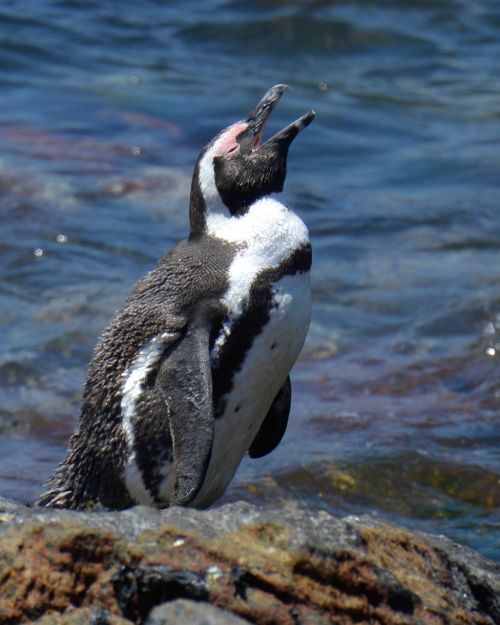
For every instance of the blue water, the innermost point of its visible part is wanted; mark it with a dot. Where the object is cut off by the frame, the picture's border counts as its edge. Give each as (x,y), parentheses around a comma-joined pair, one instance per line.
(103,109)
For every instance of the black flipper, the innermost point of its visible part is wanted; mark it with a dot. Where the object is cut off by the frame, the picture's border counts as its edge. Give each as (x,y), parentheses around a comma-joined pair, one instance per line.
(185,379)
(274,425)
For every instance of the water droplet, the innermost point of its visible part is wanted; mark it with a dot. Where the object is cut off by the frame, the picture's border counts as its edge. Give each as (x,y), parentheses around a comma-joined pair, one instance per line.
(38,252)
(117,188)
(491,351)
(323,86)
(134,80)
(61,238)
(136,150)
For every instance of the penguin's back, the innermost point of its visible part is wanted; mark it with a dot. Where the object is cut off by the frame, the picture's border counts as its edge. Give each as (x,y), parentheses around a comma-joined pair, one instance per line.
(122,450)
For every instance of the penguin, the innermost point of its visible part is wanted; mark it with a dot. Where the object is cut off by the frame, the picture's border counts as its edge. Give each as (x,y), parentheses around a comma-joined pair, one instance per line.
(193,371)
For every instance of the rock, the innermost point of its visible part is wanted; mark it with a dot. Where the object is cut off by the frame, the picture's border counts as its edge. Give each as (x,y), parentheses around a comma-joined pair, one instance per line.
(184,612)
(82,616)
(283,566)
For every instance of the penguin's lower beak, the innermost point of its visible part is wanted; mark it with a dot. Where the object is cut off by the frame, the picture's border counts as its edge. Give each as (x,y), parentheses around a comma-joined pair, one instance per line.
(258,117)
(288,134)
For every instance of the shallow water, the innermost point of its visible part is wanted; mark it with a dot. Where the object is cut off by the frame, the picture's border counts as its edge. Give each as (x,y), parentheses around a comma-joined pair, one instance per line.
(104,108)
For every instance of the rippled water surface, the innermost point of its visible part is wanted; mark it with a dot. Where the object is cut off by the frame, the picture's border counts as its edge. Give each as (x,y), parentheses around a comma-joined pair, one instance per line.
(103,109)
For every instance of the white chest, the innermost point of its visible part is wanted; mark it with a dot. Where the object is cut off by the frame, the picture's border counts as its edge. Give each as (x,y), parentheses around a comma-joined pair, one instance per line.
(267,242)
(268,234)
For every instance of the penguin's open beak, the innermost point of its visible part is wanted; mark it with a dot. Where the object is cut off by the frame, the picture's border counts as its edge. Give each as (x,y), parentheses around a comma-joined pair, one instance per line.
(258,117)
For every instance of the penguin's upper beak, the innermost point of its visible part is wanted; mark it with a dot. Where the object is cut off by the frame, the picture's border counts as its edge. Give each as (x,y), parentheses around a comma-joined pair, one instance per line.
(252,137)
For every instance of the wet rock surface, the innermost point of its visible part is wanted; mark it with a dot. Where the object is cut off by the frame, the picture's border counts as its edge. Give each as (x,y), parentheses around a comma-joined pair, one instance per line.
(267,566)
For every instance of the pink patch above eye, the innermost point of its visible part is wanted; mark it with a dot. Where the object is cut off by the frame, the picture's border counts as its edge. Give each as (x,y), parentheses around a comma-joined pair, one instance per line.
(227,144)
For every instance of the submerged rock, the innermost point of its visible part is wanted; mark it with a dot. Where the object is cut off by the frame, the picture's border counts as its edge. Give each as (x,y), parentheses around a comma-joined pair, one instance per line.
(285,566)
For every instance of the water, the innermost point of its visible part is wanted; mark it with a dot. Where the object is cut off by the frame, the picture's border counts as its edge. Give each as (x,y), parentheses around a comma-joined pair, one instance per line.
(103,109)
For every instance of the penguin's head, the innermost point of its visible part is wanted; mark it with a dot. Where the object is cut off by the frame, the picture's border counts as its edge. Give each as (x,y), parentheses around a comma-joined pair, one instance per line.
(237,168)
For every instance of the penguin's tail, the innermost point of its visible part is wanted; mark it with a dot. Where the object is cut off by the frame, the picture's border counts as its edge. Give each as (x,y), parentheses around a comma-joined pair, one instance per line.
(56,493)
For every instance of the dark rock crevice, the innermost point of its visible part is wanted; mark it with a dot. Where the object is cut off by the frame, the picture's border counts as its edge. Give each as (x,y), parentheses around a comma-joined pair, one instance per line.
(139,589)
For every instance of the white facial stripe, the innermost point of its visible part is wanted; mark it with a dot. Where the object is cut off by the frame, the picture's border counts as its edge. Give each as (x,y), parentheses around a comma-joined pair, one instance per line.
(224,143)
(213,201)
(132,388)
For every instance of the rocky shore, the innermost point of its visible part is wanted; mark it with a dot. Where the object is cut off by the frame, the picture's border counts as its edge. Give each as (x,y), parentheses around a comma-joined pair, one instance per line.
(234,564)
